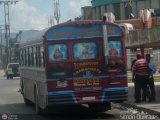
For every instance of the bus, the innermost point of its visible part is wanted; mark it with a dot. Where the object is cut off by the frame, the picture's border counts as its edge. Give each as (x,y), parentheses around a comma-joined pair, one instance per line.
(71,64)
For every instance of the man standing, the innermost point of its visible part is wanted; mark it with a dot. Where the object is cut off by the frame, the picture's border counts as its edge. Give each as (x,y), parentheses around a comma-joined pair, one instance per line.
(141,73)
(152,70)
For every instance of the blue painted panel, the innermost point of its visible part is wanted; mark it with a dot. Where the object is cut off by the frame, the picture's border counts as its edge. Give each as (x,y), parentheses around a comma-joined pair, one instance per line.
(96,3)
(69,32)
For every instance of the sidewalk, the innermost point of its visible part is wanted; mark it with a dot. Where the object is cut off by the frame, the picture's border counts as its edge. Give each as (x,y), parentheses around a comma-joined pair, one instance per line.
(2,73)
(150,106)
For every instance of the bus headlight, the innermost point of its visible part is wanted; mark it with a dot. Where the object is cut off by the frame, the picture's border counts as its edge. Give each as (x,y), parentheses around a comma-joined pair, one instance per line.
(61,84)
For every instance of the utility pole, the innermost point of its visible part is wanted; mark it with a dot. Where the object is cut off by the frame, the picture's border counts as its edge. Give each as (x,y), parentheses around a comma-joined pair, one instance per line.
(56,10)
(1,41)
(50,20)
(7,27)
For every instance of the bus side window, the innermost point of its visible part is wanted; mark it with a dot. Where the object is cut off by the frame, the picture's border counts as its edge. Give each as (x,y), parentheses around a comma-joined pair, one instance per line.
(41,53)
(28,56)
(20,57)
(43,59)
(31,56)
(34,55)
(22,60)
(25,56)
(30,53)
(39,57)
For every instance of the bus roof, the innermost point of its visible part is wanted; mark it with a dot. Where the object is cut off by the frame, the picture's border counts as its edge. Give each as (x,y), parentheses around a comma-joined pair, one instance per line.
(41,35)
(33,38)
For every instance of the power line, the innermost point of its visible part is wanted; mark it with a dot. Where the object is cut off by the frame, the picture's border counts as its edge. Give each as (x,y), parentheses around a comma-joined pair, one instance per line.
(50,20)
(56,10)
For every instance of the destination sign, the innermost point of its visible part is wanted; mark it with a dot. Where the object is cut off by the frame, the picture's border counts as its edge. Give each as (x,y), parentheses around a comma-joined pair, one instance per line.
(70,32)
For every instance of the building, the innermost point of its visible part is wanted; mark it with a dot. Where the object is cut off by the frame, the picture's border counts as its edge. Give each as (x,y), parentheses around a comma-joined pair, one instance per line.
(86,13)
(124,9)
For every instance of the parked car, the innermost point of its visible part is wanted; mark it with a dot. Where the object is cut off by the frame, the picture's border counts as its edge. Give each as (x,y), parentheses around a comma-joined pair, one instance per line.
(12,70)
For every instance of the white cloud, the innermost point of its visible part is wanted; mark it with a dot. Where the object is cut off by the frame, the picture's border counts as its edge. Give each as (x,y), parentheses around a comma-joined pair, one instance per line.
(76,6)
(74,9)
(25,16)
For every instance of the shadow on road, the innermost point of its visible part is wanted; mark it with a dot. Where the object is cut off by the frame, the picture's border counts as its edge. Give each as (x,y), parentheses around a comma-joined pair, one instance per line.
(23,112)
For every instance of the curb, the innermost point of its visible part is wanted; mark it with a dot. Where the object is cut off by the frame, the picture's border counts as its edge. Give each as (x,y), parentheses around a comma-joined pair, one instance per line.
(151,112)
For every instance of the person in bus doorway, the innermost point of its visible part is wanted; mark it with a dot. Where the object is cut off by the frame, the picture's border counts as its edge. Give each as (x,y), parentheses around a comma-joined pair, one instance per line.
(113,51)
(141,78)
(152,70)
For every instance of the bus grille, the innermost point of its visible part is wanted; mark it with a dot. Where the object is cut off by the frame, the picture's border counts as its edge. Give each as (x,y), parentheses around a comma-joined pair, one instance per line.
(60,99)
(116,96)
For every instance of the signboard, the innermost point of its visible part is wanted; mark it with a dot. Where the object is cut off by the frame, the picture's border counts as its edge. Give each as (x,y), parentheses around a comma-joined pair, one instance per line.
(71,32)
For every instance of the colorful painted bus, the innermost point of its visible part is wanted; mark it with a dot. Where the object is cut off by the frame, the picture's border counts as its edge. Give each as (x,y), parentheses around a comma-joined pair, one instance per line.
(67,64)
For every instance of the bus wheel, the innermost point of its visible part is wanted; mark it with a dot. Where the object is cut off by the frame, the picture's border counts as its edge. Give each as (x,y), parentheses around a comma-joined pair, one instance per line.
(26,101)
(99,107)
(36,98)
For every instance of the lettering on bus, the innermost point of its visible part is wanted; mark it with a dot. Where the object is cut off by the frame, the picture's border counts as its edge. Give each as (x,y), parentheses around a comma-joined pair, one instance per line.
(86,64)
(88,88)
(88,32)
(86,69)
(69,32)
(58,34)
(87,82)
(111,30)
(80,32)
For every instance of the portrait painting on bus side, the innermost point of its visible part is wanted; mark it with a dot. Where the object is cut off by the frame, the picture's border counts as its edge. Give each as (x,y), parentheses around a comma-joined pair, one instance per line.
(85,50)
(57,52)
(114,48)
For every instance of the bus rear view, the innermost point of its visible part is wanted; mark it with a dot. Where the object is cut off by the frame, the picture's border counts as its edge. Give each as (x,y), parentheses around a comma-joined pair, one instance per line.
(72,63)
(77,72)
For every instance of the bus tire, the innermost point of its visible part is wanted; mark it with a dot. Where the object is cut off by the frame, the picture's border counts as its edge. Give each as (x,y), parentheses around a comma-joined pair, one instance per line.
(26,101)
(36,99)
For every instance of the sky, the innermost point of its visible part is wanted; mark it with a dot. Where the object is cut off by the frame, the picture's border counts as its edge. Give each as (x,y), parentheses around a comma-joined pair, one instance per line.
(33,14)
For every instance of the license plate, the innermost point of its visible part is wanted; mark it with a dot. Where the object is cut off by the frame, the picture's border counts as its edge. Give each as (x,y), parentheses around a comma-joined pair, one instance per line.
(89,98)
